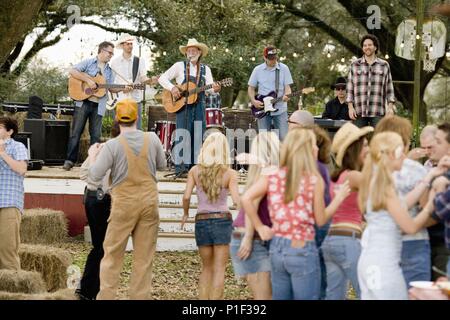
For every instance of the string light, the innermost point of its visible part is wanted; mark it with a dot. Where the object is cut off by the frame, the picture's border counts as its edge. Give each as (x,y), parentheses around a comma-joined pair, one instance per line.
(226,50)
(164,53)
(295,55)
(240,59)
(214,48)
(430,49)
(343,60)
(253,59)
(386,56)
(309,45)
(402,44)
(418,37)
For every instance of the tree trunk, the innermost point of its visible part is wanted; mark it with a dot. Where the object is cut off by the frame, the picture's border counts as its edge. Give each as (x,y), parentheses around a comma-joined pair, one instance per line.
(16,20)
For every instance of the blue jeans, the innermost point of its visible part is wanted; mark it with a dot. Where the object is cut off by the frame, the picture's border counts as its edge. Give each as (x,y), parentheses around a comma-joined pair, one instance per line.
(189,140)
(366,121)
(295,271)
(88,110)
(416,261)
(341,255)
(279,123)
(321,233)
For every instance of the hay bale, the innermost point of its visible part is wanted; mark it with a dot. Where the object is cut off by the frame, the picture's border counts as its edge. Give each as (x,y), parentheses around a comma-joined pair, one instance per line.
(21,281)
(51,262)
(63,294)
(43,226)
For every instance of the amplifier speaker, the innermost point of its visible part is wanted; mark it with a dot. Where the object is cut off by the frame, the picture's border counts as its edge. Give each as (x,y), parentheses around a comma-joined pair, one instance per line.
(49,139)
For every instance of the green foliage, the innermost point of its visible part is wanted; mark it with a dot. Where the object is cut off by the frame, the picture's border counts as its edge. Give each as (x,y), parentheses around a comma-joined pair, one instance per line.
(49,83)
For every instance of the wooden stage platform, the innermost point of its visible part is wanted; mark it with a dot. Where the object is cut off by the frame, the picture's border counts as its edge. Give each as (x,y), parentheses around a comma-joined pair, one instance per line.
(55,188)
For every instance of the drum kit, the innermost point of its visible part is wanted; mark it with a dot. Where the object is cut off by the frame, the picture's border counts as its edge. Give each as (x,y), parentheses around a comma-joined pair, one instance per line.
(165,130)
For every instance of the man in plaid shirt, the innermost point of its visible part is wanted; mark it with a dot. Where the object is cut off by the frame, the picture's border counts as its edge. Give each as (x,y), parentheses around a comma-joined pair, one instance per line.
(369,86)
(13,165)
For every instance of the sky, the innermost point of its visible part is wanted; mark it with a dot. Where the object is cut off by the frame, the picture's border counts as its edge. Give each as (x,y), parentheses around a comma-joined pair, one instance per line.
(79,43)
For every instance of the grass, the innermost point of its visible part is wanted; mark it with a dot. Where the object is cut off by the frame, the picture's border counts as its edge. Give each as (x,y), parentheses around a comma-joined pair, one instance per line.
(175,273)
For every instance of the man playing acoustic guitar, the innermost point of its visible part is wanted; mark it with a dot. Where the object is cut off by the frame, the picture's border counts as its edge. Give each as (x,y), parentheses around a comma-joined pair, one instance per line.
(265,76)
(93,107)
(192,115)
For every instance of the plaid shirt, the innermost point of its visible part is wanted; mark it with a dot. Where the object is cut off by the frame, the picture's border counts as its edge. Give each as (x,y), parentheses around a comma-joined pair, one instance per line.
(442,212)
(11,183)
(212,100)
(369,87)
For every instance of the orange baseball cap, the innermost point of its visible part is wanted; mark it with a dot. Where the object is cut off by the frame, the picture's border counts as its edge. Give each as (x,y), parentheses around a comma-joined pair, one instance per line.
(126,110)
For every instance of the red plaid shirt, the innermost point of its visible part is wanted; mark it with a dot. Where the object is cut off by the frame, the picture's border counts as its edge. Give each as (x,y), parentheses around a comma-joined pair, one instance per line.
(369,87)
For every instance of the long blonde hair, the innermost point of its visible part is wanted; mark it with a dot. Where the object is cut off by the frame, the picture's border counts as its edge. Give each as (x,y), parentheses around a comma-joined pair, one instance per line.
(297,156)
(213,161)
(266,148)
(377,178)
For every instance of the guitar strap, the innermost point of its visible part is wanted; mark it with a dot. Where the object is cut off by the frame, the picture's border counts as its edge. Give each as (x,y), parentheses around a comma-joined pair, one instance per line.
(135,67)
(277,81)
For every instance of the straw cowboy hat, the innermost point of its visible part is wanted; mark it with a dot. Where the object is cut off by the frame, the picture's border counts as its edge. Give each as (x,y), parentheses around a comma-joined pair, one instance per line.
(344,137)
(125,37)
(194,43)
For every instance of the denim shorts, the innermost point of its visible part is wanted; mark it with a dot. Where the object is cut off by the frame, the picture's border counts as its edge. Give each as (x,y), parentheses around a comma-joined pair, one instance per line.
(258,261)
(215,231)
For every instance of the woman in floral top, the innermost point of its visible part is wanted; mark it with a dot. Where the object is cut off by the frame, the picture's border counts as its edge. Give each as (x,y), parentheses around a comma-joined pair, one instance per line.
(296,204)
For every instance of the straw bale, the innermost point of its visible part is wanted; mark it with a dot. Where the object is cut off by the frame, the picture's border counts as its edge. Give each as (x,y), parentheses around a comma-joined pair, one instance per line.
(43,226)
(51,262)
(63,294)
(21,281)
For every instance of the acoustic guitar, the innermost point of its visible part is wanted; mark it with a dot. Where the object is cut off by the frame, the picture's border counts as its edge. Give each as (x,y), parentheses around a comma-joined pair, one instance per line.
(190,91)
(270,100)
(79,89)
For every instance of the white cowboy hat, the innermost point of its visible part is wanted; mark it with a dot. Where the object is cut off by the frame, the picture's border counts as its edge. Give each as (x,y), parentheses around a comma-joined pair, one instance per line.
(125,37)
(194,43)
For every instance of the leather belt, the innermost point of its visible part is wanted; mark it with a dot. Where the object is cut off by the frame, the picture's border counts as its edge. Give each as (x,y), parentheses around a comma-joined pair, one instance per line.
(345,233)
(213,215)
(239,235)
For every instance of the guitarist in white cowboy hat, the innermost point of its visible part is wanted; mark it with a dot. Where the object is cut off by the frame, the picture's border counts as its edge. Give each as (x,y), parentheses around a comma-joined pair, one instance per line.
(193,114)
(130,69)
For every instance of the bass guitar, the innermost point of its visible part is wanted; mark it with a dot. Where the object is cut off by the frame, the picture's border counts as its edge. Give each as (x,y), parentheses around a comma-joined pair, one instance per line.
(270,100)
(190,91)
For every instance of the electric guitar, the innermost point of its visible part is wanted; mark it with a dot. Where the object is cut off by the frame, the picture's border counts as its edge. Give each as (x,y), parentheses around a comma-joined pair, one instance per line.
(79,89)
(173,105)
(270,100)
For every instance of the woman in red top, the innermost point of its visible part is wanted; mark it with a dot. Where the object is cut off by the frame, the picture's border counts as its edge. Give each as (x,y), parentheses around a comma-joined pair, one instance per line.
(296,204)
(342,247)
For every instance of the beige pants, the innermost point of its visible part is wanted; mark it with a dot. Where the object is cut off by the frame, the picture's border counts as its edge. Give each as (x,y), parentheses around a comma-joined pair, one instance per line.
(134,211)
(9,238)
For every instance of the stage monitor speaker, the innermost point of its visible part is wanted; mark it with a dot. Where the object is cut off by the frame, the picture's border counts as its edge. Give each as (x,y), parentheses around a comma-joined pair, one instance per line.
(25,138)
(49,139)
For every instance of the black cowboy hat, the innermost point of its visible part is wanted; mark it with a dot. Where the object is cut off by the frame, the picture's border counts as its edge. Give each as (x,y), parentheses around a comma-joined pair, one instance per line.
(340,82)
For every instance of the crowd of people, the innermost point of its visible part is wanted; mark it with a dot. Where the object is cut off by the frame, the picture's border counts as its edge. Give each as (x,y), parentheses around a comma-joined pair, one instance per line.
(316,215)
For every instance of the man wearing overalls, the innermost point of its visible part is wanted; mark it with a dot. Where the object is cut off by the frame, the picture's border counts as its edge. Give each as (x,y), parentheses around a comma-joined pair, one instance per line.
(190,120)
(133,158)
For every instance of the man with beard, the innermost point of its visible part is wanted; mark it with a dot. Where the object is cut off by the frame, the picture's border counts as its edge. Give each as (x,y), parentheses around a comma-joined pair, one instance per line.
(192,114)
(369,86)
